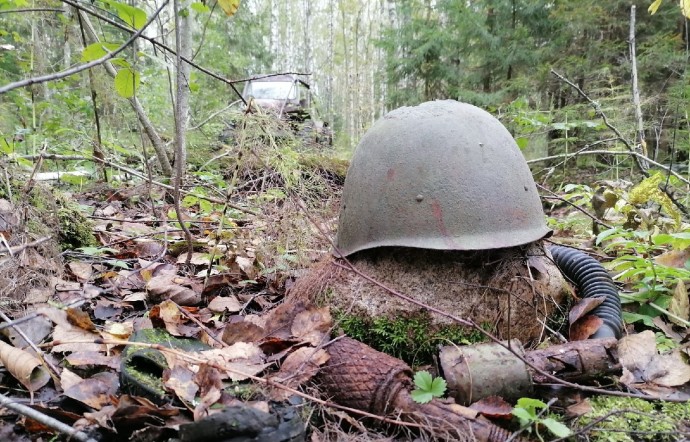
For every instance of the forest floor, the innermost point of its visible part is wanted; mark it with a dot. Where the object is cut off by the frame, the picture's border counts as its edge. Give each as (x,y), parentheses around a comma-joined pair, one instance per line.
(113,332)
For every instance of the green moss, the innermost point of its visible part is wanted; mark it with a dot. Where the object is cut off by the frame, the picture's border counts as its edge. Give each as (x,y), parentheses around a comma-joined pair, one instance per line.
(631,419)
(411,338)
(75,230)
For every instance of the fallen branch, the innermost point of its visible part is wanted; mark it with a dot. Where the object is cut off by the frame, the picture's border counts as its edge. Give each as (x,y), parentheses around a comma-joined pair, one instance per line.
(44,419)
(16,249)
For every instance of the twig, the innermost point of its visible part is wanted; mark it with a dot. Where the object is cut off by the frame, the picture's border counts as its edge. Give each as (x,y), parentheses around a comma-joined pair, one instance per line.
(136,174)
(159,44)
(16,249)
(554,195)
(44,419)
(640,160)
(635,88)
(200,324)
(83,67)
(9,11)
(612,152)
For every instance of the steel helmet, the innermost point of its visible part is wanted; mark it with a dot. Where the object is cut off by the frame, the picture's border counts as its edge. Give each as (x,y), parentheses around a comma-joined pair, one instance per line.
(443,175)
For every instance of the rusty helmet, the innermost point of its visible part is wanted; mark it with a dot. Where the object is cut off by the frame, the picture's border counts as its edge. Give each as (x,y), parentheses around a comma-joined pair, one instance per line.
(443,175)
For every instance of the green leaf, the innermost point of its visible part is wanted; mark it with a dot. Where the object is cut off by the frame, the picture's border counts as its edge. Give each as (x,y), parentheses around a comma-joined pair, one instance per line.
(421,397)
(556,428)
(120,62)
(133,16)
(524,416)
(438,387)
(522,142)
(126,82)
(423,380)
(530,404)
(95,51)
(200,7)
(654,6)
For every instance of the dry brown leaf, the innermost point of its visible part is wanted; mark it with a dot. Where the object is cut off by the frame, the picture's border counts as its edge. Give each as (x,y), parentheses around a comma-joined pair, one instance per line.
(169,313)
(80,318)
(198,259)
(82,271)
(674,258)
(68,379)
(582,307)
(95,391)
(117,330)
(312,325)
(679,306)
(585,327)
(180,380)
(171,287)
(72,339)
(93,358)
(220,304)
(242,331)
(298,368)
(247,266)
(24,366)
(239,360)
(493,407)
(644,369)
(579,409)
(36,329)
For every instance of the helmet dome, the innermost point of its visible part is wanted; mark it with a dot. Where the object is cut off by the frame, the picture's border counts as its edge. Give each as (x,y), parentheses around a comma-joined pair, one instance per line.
(443,175)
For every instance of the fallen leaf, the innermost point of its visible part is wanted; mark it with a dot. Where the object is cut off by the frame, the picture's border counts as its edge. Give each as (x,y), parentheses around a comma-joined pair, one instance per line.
(36,329)
(582,307)
(247,266)
(180,380)
(82,271)
(298,368)
(80,318)
(674,258)
(171,287)
(220,304)
(679,306)
(24,366)
(669,370)
(578,409)
(92,358)
(242,331)
(95,391)
(585,327)
(493,407)
(70,339)
(239,360)
(635,352)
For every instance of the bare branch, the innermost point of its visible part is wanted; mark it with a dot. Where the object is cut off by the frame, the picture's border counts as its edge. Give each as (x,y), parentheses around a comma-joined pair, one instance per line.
(9,11)
(89,65)
(45,420)
(159,44)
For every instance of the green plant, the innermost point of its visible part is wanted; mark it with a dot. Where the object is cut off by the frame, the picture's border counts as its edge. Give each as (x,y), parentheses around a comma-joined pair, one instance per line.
(428,387)
(530,411)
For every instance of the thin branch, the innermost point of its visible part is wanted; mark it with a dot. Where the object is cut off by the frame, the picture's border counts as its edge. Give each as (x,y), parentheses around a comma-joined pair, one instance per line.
(48,421)
(9,11)
(16,249)
(89,65)
(600,113)
(136,174)
(613,152)
(594,218)
(160,45)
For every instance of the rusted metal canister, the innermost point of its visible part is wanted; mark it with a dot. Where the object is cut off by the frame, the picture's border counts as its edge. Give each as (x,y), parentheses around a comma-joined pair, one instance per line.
(475,372)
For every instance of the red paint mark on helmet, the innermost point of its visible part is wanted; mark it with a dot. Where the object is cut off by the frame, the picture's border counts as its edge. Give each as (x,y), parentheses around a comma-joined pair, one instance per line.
(390,176)
(437,211)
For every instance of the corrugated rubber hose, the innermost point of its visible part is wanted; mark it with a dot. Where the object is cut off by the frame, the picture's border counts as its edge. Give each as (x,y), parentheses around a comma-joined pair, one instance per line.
(592,281)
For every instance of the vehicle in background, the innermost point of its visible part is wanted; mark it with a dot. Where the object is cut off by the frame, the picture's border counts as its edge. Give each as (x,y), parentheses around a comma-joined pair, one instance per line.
(288,97)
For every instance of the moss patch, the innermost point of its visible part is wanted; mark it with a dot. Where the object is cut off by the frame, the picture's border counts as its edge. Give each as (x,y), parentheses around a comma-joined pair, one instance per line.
(631,419)
(413,338)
